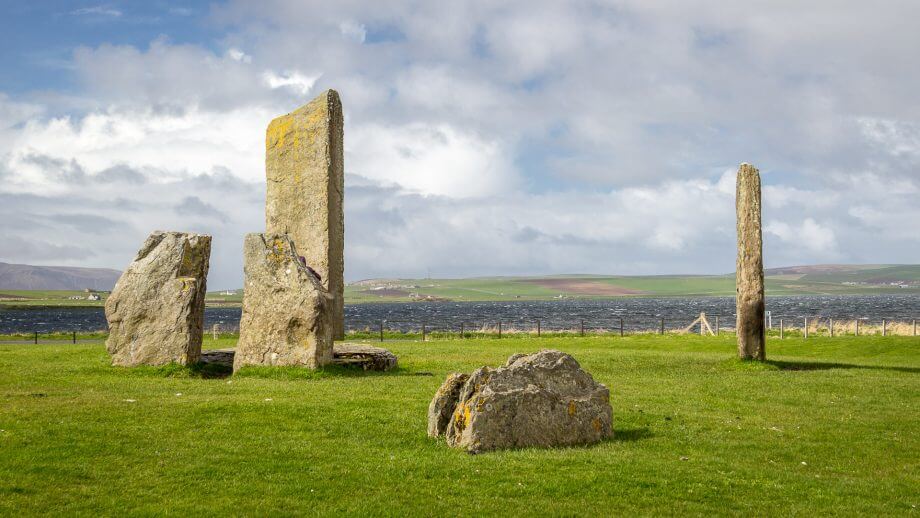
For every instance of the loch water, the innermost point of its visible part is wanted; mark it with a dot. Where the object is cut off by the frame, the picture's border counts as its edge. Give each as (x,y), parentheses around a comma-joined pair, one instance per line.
(637,313)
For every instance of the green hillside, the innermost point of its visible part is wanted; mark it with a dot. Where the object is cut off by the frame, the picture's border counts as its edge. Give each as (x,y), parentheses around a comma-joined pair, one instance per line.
(798,280)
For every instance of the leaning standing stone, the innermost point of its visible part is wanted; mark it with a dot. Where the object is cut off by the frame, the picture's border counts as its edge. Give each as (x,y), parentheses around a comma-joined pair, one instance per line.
(156,311)
(543,399)
(287,314)
(749,292)
(304,166)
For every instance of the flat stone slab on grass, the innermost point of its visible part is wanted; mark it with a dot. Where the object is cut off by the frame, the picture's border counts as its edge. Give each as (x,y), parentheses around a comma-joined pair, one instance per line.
(367,357)
(544,399)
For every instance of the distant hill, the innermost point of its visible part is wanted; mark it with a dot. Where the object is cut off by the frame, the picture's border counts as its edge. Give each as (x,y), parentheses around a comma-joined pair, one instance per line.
(826,279)
(28,277)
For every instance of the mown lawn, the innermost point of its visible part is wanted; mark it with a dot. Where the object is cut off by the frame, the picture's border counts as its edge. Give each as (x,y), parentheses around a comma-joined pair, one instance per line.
(830,427)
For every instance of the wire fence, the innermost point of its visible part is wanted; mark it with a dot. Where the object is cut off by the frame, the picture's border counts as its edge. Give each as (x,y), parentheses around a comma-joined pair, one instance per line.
(779,326)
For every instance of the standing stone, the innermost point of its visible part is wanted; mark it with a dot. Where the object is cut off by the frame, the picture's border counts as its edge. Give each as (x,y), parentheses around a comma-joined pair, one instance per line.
(156,311)
(306,183)
(749,297)
(287,314)
(544,399)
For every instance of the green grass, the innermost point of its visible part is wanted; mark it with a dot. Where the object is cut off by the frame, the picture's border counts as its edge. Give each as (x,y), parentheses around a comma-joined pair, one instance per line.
(828,426)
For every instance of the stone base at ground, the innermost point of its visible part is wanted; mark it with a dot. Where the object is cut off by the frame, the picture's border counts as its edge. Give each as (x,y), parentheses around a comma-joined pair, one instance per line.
(156,311)
(287,314)
(365,356)
(354,355)
(544,399)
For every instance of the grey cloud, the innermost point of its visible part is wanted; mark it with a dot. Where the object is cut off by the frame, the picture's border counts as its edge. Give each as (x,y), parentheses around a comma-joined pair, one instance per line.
(193,206)
(89,223)
(121,173)
(14,248)
(56,169)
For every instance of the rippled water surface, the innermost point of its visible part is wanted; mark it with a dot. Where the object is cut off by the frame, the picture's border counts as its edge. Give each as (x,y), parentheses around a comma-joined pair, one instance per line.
(637,313)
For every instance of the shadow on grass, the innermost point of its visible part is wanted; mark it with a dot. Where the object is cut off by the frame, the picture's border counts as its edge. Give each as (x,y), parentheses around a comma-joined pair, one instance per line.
(786,365)
(302,373)
(630,434)
(797,365)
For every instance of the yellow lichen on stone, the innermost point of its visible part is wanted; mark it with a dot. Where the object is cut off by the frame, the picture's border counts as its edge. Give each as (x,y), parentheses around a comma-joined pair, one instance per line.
(278,130)
(572,408)
(596,423)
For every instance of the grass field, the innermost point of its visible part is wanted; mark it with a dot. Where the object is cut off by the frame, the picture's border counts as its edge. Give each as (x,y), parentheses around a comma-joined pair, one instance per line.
(827,426)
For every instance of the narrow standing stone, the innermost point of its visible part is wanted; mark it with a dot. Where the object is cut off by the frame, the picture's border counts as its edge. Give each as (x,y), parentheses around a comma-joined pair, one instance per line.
(304,166)
(286,311)
(749,291)
(156,311)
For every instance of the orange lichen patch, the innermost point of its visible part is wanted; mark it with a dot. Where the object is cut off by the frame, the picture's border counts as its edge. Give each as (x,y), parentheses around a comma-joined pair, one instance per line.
(480,403)
(572,408)
(596,423)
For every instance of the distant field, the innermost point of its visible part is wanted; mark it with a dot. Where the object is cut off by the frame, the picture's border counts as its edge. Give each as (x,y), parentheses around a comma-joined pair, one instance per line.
(804,280)
(848,281)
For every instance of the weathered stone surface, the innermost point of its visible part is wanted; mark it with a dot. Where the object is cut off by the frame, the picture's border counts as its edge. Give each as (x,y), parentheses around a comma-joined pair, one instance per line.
(304,165)
(367,357)
(286,311)
(156,311)
(444,402)
(543,399)
(749,289)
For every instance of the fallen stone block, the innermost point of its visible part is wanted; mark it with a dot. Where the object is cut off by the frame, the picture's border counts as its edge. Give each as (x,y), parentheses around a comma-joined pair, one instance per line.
(367,357)
(544,399)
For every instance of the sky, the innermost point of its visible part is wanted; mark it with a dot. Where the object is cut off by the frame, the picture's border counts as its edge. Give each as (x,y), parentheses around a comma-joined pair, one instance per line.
(481,138)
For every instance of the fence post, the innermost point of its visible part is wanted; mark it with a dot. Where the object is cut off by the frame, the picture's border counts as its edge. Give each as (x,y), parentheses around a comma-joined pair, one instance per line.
(661,328)
(423,331)
(806,327)
(915,327)
(74,337)
(36,337)
(621,326)
(381,330)
(717,325)
(582,328)
(781,329)
(857,326)
(884,327)
(830,326)
(499,328)
(538,328)
(461,330)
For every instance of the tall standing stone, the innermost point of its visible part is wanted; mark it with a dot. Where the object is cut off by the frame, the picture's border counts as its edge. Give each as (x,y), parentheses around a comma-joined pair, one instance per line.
(156,311)
(286,311)
(749,290)
(304,165)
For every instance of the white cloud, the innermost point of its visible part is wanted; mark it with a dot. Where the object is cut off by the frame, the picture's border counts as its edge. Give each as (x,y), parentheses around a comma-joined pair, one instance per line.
(431,160)
(175,144)
(239,55)
(809,234)
(97,10)
(353,30)
(297,81)
(484,138)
